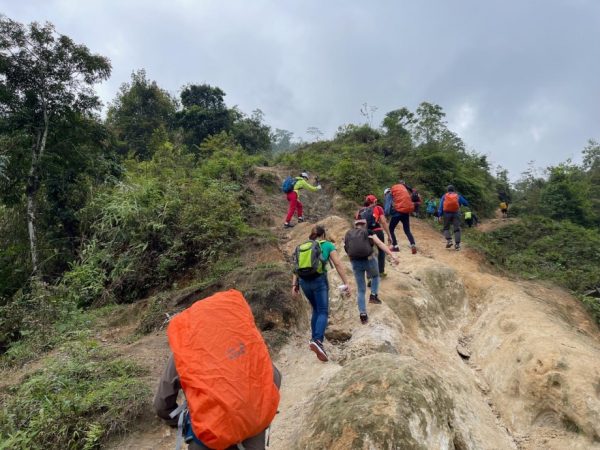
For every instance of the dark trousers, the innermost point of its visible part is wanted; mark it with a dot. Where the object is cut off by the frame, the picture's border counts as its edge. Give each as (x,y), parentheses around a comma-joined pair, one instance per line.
(381,253)
(451,218)
(405,219)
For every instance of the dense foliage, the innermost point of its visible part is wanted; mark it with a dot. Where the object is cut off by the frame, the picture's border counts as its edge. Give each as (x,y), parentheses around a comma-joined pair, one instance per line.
(81,396)
(558,236)
(165,216)
(415,147)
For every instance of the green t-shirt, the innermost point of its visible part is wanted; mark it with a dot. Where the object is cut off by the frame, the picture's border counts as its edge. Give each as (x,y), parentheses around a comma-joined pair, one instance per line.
(326,249)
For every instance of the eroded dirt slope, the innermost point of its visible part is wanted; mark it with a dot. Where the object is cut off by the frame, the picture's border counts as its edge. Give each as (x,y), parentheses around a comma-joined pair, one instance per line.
(529,377)
(531,382)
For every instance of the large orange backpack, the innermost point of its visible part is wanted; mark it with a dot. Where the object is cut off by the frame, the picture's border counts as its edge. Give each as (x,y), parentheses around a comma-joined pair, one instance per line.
(224,368)
(402,200)
(451,203)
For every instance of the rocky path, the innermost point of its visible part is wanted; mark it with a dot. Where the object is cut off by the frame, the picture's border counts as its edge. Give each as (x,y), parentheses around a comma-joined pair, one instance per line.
(531,380)
(528,377)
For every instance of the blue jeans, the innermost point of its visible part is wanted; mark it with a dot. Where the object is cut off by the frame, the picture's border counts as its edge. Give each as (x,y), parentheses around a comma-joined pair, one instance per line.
(362,267)
(317,293)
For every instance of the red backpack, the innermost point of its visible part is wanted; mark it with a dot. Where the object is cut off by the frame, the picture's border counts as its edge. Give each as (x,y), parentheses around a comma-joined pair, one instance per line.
(224,368)
(451,203)
(402,200)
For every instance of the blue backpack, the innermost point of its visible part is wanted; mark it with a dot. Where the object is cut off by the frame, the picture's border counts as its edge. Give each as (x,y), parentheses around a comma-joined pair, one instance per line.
(388,204)
(288,184)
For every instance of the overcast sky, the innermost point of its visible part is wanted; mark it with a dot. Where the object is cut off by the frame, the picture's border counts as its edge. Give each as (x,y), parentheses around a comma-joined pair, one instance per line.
(519,79)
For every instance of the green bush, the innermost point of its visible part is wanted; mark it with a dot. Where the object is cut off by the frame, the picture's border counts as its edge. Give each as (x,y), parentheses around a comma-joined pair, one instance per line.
(38,320)
(361,160)
(165,217)
(538,247)
(82,396)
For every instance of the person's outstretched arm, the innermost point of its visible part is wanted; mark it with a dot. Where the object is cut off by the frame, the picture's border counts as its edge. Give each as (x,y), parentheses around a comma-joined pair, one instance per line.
(383,247)
(339,267)
(295,285)
(386,227)
(303,184)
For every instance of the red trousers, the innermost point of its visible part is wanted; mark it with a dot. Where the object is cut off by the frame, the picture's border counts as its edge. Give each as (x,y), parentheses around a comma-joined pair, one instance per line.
(295,205)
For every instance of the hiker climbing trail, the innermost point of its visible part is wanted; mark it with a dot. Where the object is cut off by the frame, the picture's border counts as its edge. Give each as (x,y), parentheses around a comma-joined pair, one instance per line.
(430,302)
(456,356)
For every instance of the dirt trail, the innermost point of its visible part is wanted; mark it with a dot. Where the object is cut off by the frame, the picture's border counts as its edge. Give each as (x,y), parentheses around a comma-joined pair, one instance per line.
(532,379)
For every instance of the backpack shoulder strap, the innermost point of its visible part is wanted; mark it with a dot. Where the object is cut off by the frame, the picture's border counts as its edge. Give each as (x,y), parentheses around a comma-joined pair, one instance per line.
(181,410)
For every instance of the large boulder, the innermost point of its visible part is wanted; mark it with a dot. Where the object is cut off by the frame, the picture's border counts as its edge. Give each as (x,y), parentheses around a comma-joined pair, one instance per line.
(382,401)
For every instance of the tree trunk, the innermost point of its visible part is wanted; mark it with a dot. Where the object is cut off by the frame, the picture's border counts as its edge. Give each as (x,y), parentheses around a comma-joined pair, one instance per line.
(33,186)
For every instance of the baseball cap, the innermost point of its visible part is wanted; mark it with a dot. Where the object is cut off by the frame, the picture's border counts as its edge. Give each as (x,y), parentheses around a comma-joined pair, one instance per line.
(304,175)
(371,198)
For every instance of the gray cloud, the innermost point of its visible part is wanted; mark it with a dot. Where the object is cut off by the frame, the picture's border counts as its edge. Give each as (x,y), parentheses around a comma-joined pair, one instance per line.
(518,80)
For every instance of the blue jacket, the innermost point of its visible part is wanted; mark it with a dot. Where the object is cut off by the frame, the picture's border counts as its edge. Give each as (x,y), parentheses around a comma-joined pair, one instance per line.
(461,202)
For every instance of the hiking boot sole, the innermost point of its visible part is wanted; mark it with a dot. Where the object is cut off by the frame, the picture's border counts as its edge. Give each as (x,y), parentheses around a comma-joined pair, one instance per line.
(319,352)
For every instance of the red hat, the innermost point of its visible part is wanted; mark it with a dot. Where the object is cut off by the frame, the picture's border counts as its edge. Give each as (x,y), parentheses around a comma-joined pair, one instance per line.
(371,198)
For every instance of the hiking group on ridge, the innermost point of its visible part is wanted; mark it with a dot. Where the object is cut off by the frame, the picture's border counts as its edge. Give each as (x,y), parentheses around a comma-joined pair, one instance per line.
(218,356)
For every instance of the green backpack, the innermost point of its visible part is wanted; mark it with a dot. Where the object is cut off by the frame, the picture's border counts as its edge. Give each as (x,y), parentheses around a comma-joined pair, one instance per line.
(307,260)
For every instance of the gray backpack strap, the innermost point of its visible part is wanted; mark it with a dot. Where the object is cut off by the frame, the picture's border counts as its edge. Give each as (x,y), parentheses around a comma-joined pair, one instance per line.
(240,446)
(180,410)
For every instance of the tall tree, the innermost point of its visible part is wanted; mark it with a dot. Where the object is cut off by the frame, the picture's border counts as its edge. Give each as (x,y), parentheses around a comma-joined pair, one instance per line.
(44,77)
(430,125)
(140,108)
(252,133)
(204,113)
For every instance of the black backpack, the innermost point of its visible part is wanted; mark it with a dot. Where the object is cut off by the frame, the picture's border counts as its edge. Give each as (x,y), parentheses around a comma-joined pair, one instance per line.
(357,243)
(415,197)
(367,214)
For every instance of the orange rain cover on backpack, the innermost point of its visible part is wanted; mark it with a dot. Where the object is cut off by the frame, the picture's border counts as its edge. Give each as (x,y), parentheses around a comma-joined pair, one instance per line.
(402,200)
(224,368)
(451,202)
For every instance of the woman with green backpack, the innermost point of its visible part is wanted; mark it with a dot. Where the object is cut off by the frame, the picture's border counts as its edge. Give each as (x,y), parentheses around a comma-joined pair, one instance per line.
(310,273)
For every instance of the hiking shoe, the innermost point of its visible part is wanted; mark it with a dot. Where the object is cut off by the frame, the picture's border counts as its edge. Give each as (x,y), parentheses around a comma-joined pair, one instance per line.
(448,244)
(457,247)
(301,219)
(288,225)
(413,249)
(364,318)
(317,347)
(395,248)
(373,298)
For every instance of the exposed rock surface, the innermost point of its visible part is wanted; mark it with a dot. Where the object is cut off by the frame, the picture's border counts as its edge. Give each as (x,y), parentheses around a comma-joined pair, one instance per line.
(528,377)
